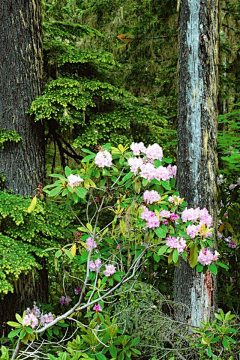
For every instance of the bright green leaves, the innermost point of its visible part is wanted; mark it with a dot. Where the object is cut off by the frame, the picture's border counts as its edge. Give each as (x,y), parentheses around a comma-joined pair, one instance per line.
(193,255)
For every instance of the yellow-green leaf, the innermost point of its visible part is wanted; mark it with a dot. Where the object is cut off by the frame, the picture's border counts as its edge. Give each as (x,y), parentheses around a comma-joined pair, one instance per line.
(33,204)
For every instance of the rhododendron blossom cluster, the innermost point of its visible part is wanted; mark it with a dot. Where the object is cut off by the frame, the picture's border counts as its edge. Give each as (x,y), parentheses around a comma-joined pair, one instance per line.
(176,243)
(90,244)
(152,220)
(34,317)
(146,165)
(95,265)
(103,159)
(206,257)
(110,270)
(151,196)
(74,180)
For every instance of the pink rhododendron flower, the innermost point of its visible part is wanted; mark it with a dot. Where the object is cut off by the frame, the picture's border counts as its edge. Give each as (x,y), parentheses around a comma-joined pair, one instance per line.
(154,152)
(137,148)
(74,180)
(30,320)
(190,215)
(172,171)
(152,220)
(165,214)
(97,307)
(151,196)
(95,266)
(148,171)
(176,243)
(206,257)
(232,244)
(118,246)
(35,310)
(91,244)
(46,319)
(193,230)
(176,200)
(205,217)
(65,300)
(174,216)
(103,159)
(165,222)
(161,173)
(135,164)
(110,270)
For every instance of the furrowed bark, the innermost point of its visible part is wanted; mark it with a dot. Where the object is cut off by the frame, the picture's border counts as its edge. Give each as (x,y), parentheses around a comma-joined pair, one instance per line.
(21,163)
(197,141)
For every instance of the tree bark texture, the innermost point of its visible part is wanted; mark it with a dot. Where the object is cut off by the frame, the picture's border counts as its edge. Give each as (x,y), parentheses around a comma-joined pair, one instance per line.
(197,141)
(20,83)
(21,163)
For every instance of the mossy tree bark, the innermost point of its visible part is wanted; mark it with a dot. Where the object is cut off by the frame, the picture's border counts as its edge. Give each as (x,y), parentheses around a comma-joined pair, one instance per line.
(20,83)
(197,141)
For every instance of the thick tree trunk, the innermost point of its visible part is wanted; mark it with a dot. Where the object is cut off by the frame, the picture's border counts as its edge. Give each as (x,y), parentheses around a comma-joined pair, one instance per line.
(20,83)
(197,140)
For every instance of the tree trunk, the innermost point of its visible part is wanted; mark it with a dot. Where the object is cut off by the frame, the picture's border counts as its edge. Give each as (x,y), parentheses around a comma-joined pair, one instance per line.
(197,141)
(20,83)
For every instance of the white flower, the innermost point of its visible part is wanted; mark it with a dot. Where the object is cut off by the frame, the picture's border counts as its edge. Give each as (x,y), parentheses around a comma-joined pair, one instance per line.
(74,180)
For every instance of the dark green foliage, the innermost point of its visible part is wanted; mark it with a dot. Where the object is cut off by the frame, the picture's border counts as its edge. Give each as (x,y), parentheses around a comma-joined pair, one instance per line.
(24,236)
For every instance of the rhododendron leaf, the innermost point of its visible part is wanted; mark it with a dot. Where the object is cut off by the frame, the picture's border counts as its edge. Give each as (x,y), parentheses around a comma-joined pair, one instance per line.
(229,226)
(65,192)
(29,330)
(193,255)
(137,186)
(57,176)
(33,204)
(22,334)
(88,157)
(81,192)
(19,319)
(162,250)
(225,343)
(166,160)
(213,269)
(51,357)
(117,277)
(222,265)
(13,324)
(89,226)
(185,255)
(58,254)
(136,351)
(157,163)
(166,185)
(56,191)
(87,151)
(175,255)
(156,257)
(68,171)
(160,232)
(199,268)
(126,177)
(68,253)
(73,250)
(13,333)
(144,182)
(113,351)
(101,357)
(170,257)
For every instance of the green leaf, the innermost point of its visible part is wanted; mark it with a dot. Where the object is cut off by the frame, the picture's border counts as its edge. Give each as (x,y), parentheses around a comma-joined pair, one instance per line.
(135,341)
(175,256)
(101,357)
(213,269)
(117,277)
(225,343)
(81,192)
(55,191)
(88,157)
(13,333)
(162,249)
(68,253)
(199,267)
(51,357)
(166,185)
(87,151)
(58,254)
(19,319)
(29,330)
(193,255)
(113,351)
(160,232)
(222,265)
(68,171)
(13,324)
(126,177)
(22,334)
